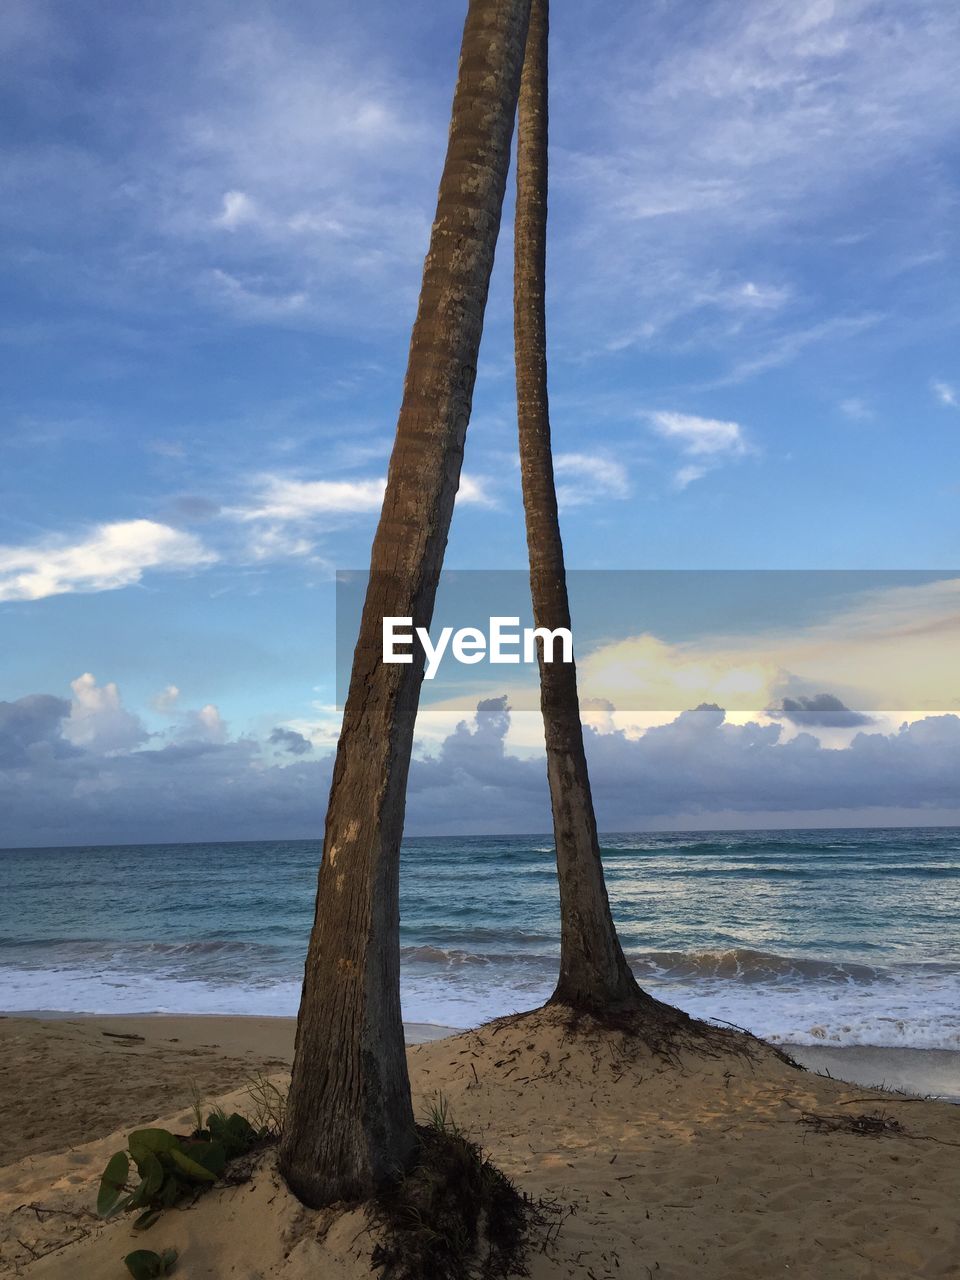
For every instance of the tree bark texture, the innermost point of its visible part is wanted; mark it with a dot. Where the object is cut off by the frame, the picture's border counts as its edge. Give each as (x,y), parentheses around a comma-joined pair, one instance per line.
(594,975)
(349,1125)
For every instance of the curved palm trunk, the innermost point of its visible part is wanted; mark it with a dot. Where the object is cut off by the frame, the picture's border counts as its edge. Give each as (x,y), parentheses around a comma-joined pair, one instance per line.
(349,1124)
(594,976)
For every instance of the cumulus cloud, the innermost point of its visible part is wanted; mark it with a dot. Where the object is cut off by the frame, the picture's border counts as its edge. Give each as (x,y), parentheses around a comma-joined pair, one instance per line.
(698,768)
(205,725)
(166,700)
(475,491)
(110,556)
(822,710)
(290,740)
(99,720)
(30,729)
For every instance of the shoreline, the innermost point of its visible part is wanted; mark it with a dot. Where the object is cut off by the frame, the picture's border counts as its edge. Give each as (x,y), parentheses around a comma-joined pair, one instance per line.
(251,1033)
(925,1073)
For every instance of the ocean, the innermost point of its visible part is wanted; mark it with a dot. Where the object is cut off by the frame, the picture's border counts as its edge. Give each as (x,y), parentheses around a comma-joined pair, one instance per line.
(840,937)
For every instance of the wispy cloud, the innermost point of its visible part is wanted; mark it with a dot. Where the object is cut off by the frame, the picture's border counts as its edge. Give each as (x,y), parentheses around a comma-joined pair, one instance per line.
(685,476)
(698,436)
(856,408)
(722,186)
(251,298)
(286,499)
(772,353)
(587,478)
(709,441)
(945,394)
(110,556)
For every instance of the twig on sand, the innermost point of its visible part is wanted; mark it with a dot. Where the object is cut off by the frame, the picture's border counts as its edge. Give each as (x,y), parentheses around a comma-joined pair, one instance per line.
(38,1209)
(877,1124)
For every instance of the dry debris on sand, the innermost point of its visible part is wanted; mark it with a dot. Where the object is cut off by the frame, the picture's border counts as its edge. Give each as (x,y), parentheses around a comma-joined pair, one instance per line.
(669,1167)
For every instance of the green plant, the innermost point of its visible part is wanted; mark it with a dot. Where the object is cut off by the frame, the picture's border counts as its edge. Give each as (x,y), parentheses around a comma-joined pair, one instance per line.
(439,1118)
(269,1104)
(144,1264)
(171,1167)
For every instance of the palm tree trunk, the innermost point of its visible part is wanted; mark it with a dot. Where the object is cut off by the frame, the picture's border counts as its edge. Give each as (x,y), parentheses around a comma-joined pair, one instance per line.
(594,975)
(349,1124)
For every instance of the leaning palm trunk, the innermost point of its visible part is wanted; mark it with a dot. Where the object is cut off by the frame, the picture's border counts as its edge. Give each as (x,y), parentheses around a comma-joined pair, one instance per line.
(594,976)
(349,1125)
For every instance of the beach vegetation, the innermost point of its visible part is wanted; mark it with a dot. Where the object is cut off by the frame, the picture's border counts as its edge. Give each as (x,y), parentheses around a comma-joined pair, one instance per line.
(269,1105)
(171,1167)
(144,1264)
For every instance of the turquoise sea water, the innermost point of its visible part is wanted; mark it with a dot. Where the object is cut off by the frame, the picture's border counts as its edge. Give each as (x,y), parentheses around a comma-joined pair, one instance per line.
(848,936)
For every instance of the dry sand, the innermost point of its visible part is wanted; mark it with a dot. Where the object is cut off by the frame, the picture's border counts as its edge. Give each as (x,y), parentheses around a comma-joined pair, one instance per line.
(694,1169)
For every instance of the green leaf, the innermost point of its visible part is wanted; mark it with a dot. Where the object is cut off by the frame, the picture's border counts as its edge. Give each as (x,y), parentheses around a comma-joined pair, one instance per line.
(192,1168)
(147,1219)
(171,1191)
(235,1133)
(139,1197)
(210,1154)
(142,1141)
(113,1183)
(144,1264)
(151,1171)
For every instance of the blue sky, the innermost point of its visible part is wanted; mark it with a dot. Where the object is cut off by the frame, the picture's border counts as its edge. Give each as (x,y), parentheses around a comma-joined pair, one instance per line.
(213,233)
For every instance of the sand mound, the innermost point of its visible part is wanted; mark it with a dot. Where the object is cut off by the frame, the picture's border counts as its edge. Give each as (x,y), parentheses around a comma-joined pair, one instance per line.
(671,1169)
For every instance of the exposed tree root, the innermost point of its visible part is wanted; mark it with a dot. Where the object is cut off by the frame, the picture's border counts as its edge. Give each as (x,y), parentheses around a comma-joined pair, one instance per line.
(454,1215)
(653,1027)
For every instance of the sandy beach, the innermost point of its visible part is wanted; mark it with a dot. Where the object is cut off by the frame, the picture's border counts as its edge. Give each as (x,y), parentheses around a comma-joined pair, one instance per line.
(702,1167)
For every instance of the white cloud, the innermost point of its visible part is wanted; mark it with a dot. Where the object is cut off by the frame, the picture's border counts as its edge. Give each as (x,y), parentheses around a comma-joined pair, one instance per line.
(166,700)
(687,475)
(282,498)
(945,394)
(584,478)
(237,209)
(857,409)
(98,719)
(206,786)
(285,499)
(700,436)
(768,134)
(252,299)
(475,491)
(111,556)
(205,725)
(765,297)
(786,346)
(275,542)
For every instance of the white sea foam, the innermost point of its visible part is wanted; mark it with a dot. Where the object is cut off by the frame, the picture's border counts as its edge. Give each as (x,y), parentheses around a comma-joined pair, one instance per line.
(920,1014)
